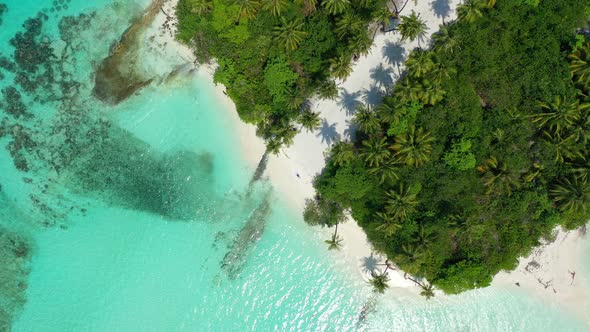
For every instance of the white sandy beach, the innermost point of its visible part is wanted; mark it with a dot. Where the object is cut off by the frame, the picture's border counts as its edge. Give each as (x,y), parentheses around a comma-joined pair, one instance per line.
(372,76)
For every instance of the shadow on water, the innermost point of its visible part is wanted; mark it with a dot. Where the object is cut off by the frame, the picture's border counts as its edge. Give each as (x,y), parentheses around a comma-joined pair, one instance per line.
(127,172)
(236,257)
(260,168)
(117,77)
(368,308)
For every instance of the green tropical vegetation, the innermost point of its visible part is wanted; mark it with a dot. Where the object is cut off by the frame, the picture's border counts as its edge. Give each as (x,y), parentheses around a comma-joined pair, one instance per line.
(480,150)
(272,55)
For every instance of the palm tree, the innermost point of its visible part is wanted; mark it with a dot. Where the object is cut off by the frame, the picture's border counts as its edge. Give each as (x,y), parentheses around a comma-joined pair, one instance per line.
(340,66)
(409,90)
(328,89)
(375,151)
(580,64)
(309,6)
(572,194)
(582,169)
(427,291)
(363,3)
(366,120)
(410,257)
(497,177)
(335,243)
(414,146)
(295,98)
(431,94)
(388,171)
(309,120)
(420,63)
(360,44)
(389,225)
(379,282)
(564,148)
(425,237)
(342,153)
(559,115)
(445,40)
(490,3)
(534,173)
(400,203)
(200,7)
(248,9)
(348,24)
(441,73)
(470,11)
(274,6)
(289,34)
(381,16)
(336,7)
(387,113)
(412,27)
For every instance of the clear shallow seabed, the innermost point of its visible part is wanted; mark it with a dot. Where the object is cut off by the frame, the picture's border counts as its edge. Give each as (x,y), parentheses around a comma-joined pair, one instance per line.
(142,217)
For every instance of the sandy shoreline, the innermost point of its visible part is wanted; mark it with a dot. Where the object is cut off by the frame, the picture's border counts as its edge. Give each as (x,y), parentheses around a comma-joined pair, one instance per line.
(372,76)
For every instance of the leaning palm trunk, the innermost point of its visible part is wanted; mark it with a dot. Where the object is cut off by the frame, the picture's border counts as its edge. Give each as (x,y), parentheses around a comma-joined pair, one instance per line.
(402,9)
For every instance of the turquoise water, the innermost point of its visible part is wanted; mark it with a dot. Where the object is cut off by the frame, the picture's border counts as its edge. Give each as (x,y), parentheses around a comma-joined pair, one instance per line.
(142,217)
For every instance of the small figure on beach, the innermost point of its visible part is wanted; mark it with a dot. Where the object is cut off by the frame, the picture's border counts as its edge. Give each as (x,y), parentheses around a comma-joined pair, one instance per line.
(297,175)
(573,276)
(517,284)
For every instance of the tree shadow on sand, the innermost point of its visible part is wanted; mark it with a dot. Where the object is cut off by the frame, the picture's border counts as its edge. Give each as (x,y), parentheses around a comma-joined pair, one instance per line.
(441,8)
(369,263)
(328,132)
(394,53)
(349,101)
(350,131)
(383,76)
(373,95)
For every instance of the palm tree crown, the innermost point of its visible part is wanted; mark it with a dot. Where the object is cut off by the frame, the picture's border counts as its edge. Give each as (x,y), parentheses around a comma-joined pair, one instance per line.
(200,7)
(420,63)
(375,151)
(366,120)
(412,27)
(401,202)
(572,194)
(336,7)
(340,66)
(274,6)
(342,153)
(470,11)
(389,225)
(379,282)
(559,115)
(248,8)
(497,177)
(414,146)
(290,34)
(388,171)
(309,120)
(580,64)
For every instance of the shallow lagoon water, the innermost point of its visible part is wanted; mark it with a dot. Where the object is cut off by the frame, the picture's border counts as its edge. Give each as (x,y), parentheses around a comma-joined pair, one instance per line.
(114,247)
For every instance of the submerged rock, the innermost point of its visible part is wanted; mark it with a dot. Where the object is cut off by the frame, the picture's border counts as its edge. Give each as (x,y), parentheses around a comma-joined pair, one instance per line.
(118,77)
(235,259)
